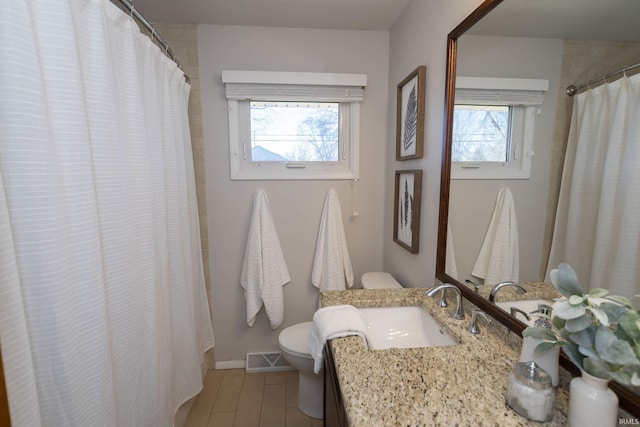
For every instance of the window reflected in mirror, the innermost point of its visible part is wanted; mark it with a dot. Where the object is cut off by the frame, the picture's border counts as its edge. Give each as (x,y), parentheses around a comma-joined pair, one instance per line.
(481,133)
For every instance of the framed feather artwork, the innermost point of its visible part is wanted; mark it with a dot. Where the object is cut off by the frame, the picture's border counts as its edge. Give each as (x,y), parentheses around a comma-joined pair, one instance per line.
(410,115)
(406,217)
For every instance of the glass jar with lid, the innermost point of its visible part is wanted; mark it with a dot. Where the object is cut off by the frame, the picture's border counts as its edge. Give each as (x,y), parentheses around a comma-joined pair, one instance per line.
(530,392)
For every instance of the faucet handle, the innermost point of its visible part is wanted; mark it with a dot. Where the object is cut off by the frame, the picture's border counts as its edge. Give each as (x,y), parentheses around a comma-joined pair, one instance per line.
(475,285)
(473,326)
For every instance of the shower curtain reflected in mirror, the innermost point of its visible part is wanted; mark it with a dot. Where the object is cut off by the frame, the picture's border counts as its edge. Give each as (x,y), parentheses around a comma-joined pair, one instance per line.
(103,308)
(597,228)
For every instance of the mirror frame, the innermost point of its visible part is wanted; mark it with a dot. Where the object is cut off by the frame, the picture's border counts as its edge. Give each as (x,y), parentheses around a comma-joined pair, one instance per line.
(628,400)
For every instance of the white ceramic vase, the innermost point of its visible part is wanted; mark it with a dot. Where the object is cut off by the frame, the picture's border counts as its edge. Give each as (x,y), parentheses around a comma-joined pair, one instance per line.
(592,403)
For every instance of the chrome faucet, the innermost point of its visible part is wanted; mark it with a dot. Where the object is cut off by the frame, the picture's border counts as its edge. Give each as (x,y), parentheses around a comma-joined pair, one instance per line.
(458,312)
(519,289)
(473,326)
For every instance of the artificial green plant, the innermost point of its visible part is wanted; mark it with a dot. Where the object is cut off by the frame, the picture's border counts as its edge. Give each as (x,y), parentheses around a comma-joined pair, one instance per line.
(599,332)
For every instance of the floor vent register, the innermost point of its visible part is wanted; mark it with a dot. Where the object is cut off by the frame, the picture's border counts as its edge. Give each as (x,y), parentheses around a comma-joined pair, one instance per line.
(266,362)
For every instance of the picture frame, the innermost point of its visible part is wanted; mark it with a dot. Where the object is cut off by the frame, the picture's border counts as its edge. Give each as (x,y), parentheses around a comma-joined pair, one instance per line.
(410,115)
(406,217)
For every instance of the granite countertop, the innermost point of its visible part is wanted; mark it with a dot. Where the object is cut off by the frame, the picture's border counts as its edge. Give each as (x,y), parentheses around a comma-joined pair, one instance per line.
(461,385)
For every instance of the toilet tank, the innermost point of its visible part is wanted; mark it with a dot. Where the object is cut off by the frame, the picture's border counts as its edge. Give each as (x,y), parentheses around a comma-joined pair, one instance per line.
(379,280)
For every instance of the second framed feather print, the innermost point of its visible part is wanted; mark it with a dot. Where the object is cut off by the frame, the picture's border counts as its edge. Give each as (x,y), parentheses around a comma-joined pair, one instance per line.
(410,115)
(406,217)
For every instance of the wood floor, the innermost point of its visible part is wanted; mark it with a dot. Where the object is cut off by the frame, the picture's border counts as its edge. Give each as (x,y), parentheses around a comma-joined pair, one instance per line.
(233,398)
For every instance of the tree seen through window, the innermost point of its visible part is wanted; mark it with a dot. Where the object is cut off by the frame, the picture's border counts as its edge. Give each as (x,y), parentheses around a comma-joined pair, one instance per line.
(481,133)
(295,131)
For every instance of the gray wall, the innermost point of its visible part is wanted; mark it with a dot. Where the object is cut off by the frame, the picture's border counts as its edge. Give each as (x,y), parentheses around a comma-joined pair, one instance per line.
(419,37)
(472,201)
(296,205)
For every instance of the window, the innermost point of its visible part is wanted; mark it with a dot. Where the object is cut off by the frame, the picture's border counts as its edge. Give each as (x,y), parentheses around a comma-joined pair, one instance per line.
(481,133)
(493,127)
(293,125)
(295,131)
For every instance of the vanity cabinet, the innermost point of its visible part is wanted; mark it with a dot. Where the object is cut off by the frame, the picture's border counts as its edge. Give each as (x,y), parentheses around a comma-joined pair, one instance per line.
(333,412)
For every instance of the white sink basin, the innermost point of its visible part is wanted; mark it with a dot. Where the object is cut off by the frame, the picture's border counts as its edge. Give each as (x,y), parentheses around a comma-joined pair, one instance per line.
(526,305)
(403,327)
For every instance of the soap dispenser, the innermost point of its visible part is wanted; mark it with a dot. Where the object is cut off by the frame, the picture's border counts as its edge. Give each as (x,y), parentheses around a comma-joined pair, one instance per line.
(547,360)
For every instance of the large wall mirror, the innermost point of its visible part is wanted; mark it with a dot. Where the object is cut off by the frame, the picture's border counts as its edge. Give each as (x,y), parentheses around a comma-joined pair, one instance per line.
(532,50)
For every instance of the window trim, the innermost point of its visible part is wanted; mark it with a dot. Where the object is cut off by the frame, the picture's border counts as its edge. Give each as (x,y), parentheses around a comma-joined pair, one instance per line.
(245,86)
(242,168)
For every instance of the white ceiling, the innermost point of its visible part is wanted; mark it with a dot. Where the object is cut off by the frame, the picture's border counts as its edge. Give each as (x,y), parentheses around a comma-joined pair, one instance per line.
(612,20)
(563,19)
(331,14)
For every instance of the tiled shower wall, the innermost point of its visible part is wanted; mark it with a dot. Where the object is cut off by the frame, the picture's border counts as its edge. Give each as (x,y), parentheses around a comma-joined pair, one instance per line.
(183,40)
(582,61)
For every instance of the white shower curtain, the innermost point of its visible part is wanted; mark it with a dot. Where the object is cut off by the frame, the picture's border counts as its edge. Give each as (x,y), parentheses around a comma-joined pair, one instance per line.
(103,311)
(597,229)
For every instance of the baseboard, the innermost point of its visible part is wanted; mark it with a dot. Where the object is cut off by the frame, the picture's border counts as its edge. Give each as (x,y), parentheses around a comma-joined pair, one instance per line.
(231,364)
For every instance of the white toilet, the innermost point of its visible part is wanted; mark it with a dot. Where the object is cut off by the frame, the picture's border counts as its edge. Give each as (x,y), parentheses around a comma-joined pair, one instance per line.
(293,343)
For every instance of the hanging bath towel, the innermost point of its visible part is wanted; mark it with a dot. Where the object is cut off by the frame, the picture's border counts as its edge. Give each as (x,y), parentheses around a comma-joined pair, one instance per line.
(332,265)
(499,257)
(264,271)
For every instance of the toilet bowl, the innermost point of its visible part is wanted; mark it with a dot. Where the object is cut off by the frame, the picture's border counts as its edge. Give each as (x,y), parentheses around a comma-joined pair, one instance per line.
(293,343)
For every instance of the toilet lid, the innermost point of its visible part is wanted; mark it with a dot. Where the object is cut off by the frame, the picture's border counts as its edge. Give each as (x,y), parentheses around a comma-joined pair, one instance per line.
(294,339)
(379,280)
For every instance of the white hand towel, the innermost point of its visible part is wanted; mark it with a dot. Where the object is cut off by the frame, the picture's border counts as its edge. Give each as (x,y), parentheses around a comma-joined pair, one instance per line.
(332,268)
(499,257)
(264,271)
(334,322)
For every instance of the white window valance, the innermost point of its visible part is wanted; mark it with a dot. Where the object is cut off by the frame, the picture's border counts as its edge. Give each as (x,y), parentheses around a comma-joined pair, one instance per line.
(500,91)
(289,86)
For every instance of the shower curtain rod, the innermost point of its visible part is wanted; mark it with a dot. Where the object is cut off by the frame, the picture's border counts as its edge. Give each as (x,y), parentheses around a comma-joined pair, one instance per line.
(574,89)
(149,26)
